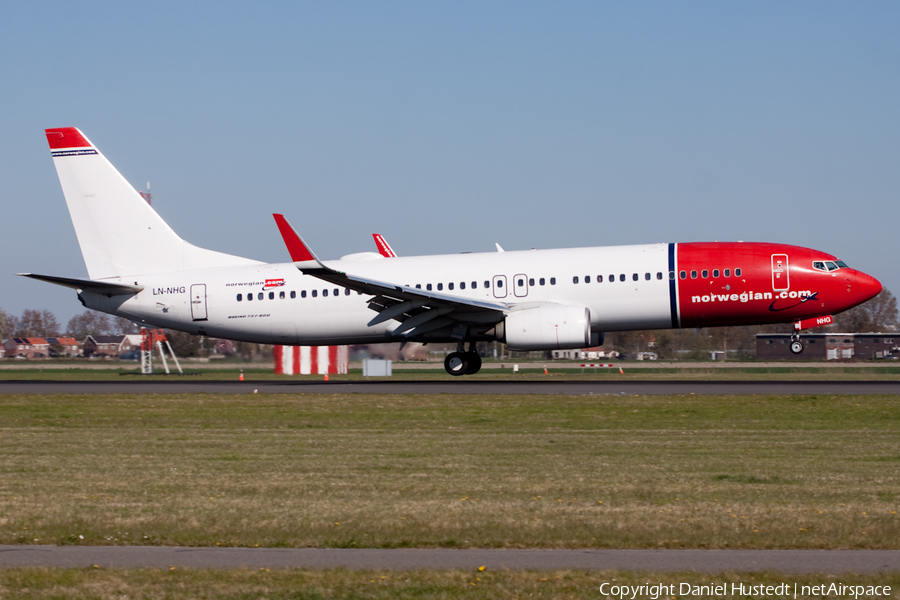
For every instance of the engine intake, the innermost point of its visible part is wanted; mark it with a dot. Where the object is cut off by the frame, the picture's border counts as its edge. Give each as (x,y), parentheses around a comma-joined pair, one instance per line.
(547,327)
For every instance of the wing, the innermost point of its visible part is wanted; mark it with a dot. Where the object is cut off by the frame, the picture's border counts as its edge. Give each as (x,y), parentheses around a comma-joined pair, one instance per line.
(418,311)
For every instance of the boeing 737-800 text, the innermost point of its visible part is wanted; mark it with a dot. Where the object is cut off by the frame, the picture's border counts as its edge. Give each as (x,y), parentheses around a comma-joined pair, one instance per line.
(140,269)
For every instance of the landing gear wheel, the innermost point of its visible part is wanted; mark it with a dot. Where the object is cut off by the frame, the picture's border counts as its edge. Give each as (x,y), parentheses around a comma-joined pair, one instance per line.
(474,363)
(797,347)
(457,363)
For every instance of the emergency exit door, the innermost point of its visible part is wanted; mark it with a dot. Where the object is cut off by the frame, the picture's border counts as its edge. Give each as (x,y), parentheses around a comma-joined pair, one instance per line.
(780,272)
(198,302)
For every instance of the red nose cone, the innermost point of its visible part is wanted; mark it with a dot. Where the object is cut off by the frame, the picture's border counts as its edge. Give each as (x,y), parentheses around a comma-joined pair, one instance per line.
(864,287)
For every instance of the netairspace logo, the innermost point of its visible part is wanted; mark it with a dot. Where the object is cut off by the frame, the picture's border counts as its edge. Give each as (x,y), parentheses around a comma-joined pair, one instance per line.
(735,590)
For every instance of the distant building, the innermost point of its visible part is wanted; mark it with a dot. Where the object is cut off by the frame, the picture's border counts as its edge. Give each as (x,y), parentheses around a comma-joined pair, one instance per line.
(33,347)
(829,346)
(583,354)
(64,346)
(104,345)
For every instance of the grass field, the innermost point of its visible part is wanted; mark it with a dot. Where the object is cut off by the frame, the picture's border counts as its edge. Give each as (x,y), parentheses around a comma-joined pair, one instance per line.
(451,471)
(151,584)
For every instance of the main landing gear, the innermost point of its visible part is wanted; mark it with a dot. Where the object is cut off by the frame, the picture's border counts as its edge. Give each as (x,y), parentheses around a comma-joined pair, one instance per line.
(463,362)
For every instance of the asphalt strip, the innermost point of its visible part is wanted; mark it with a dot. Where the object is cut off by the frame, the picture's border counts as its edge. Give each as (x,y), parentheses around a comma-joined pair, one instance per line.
(187,386)
(702,561)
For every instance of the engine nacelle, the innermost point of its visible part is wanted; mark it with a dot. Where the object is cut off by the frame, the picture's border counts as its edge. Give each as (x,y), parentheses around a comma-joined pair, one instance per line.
(547,327)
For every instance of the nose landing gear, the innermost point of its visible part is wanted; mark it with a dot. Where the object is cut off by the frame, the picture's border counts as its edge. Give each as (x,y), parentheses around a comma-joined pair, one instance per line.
(463,362)
(796,344)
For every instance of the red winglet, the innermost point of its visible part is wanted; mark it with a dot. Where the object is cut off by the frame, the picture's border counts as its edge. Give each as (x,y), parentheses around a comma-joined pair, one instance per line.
(297,249)
(383,247)
(66,137)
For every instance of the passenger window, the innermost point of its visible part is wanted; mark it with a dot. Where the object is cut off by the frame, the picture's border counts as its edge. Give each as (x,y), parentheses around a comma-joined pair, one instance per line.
(428,286)
(737,272)
(727,272)
(475,285)
(612,278)
(259,296)
(281,295)
(520,282)
(440,287)
(499,283)
(683,274)
(249,297)
(450,286)
(693,274)
(541,281)
(487,284)
(346,291)
(587,278)
(315,293)
(294,294)
(240,297)
(531,282)
(599,278)
(647,276)
(553,281)
(634,277)
(324,293)
(622,277)
(302,294)
(418,286)
(462,285)
(705,273)
(271,295)
(715,272)
(575,279)
(659,275)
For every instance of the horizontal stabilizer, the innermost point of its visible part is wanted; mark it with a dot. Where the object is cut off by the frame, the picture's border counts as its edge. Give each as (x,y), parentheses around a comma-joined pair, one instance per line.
(88,285)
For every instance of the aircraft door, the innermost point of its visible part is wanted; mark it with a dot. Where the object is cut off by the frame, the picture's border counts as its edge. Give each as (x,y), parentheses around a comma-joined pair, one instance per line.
(520,285)
(499,286)
(780,272)
(198,302)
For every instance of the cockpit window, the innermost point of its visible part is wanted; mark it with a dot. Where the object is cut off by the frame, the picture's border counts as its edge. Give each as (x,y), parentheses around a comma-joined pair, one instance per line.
(841,264)
(828,265)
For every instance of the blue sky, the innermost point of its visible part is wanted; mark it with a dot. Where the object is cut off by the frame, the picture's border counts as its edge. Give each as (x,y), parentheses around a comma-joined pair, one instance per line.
(448,127)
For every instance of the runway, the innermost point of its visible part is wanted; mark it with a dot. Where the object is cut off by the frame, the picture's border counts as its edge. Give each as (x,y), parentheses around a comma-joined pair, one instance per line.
(189,385)
(703,561)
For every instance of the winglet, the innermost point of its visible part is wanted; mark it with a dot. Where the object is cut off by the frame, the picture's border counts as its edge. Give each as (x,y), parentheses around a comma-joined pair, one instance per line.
(298,250)
(383,247)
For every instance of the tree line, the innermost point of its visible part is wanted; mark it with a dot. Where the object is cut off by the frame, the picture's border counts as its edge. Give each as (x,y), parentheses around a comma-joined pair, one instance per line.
(43,323)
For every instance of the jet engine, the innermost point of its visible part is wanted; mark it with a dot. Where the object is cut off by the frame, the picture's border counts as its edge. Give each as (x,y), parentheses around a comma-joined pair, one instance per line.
(547,327)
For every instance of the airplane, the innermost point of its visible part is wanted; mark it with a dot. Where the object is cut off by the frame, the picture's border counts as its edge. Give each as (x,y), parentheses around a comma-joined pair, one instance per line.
(140,269)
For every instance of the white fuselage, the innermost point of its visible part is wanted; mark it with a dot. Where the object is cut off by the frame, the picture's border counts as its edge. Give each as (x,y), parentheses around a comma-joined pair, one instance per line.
(305,310)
